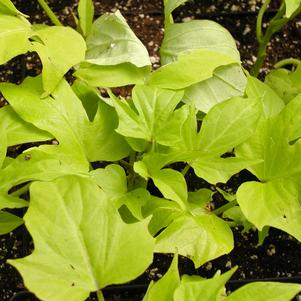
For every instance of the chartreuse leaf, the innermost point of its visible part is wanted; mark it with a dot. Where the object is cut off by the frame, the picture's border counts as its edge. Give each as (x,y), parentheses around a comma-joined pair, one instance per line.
(262,291)
(163,290)
(86,13)
(172,185)
(228,124)
(185,225)
(276,200)
(115,56)
(14,36)
(9,222)
(18,37)
(227,81)
(112,76)
(57,60)
(291,7)
(67,244)
(283,83)
(7,7)
(197,288)
(200,238)
(153,117)
(191,67)
(238,218)
(63,115)
(197,34)
(225,126)
(111,179)
(16,131)
(31,165)
(112,42)
(88,96)
(275,203)
(271,102)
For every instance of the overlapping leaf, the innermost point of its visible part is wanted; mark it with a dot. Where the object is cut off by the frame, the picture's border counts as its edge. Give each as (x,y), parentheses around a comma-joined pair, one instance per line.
(16,131)
(153,117)
(197,34)
(276,200)
(284,83)
(197,288)
(191,67)
(18,37)
(32,165)
(227,81)
(15,33)
(226,125)
(57,60)
(63,115)
(115,56)
(67,244)
(200,238)
(211,36)
(187,227)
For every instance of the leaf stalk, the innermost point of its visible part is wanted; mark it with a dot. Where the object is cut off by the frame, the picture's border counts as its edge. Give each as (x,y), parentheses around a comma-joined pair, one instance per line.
(50,13)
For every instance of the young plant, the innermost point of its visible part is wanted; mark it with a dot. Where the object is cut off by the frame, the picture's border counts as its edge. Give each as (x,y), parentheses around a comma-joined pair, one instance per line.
(89,228)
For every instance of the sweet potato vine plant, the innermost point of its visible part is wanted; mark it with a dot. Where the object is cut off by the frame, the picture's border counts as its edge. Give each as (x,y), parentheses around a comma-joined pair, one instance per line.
(97,227)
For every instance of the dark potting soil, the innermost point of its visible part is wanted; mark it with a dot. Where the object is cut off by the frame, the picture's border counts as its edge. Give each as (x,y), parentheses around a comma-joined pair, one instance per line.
(279,256)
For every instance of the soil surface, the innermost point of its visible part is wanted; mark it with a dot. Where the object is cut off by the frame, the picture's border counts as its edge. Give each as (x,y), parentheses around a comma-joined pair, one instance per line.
(279,256)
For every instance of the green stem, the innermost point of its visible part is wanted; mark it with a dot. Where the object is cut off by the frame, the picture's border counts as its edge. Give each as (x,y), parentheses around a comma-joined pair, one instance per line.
(289,61)
(185,170)
(262,10)
(50,13)
(276,23)
(225,207)
(100,296)
(21,190)
(132,174)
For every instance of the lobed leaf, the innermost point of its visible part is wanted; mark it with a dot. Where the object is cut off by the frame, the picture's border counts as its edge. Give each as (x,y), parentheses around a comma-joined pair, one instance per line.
(153,117)
(85,259)
(63,115)
(275,203)
(200,238)
(57,60)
